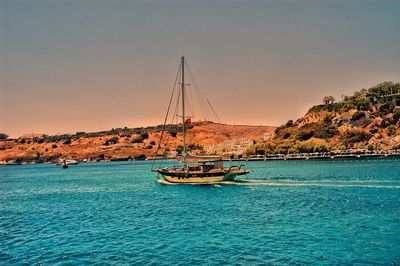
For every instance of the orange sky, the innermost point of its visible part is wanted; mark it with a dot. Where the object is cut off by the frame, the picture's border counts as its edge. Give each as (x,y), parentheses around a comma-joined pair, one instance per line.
(78,66)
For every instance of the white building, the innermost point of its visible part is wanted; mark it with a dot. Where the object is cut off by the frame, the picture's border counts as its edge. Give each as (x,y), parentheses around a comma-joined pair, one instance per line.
(229,147)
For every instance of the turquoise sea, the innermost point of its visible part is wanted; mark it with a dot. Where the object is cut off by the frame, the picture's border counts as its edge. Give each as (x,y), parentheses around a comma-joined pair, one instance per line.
(319,212)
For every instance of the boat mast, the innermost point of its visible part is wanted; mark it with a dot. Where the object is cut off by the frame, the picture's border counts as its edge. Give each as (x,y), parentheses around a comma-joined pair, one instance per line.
(183,109)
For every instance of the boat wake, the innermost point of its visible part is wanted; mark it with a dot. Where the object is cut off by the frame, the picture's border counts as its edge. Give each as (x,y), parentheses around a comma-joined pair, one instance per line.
(259,182)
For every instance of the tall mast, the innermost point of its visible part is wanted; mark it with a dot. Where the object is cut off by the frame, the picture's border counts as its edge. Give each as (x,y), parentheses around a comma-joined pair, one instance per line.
(183,107)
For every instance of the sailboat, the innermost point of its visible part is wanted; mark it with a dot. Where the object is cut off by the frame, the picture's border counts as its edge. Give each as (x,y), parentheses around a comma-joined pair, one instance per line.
(193,168)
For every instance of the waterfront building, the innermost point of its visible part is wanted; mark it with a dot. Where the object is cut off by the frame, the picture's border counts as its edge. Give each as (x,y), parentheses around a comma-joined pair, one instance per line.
(235,147)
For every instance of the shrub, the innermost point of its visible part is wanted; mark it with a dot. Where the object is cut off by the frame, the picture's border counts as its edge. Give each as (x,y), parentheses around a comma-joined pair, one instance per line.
(352,137)
(315,108)
(193,147)
(144,135)
(385,123)
(173,134)
(325,132)
(179,149)
(54,146)
(289,123)
(362,104)
(152,142)
(113,140)
(374,130)
(3,136)
(305,135)
(380,89)
(278,129)
(140,157)
(358,115)
(371,147)
(396,116)
(40,141)
(386,108)
(321,148)
(137,140)
(392,130)
(150,147)
(67,142)
(328,119)
(22,141)
(287,135)
(313,145)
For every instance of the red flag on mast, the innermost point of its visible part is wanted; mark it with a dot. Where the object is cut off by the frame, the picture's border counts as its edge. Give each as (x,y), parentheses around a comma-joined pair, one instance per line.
(188,121)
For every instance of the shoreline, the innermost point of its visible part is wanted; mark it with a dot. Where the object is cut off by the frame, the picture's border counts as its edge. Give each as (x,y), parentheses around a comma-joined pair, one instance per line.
(325,156)
(328,155)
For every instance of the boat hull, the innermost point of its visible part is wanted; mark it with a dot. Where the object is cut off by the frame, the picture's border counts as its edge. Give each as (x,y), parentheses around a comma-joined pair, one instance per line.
(183,178)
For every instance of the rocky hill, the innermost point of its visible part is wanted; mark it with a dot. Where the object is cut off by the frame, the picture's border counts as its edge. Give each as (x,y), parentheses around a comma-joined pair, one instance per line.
(123,143)
(367,120)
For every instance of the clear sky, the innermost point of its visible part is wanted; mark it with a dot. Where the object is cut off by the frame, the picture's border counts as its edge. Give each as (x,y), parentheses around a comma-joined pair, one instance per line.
(73,65)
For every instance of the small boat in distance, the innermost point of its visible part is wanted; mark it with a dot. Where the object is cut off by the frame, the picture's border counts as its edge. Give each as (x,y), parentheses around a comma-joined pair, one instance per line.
(194,169)
(64,163)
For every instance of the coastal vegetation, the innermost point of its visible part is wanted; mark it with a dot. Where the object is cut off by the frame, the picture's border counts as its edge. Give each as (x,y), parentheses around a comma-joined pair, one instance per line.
(369,119)
(121,143)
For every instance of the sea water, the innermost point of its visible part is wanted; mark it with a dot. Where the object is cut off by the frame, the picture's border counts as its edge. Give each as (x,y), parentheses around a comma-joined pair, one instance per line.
(289,212)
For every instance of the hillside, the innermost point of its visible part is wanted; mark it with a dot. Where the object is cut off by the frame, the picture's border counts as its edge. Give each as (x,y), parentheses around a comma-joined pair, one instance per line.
(367,120)
(124,143)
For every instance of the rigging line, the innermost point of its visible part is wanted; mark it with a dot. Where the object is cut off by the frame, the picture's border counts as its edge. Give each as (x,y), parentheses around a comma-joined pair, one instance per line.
(165,120)
(174,117)
(201,101)
(212,111)
(171,127)
(215,113)
(177,99)
(198,93)
(203,106)
(195,94)
(190,98)
(189,103)
(176,108)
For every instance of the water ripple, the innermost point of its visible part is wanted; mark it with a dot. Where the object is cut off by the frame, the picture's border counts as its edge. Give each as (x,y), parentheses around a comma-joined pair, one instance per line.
(297,212)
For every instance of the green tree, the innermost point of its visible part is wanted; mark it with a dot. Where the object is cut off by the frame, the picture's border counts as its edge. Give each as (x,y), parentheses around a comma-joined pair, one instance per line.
(362,103)
(328,99)
(325,100)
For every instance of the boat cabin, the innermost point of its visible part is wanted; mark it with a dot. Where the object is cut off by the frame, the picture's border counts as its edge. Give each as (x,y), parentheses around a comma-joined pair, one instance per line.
(206,166)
